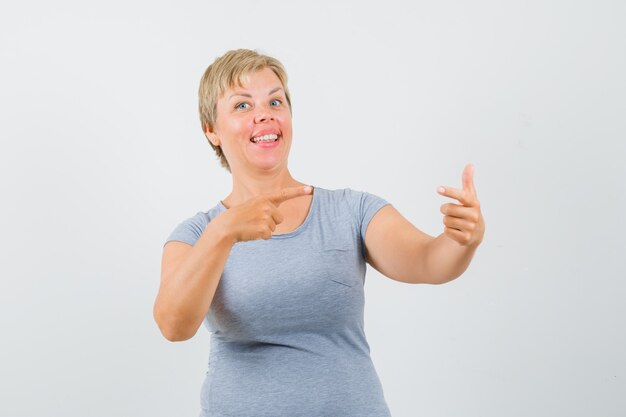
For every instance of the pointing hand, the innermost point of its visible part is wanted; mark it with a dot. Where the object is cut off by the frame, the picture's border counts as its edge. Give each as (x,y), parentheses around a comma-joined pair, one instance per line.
(463,222)
(257,218)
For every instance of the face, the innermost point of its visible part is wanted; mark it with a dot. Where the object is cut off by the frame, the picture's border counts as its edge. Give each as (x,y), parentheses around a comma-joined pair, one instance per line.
(253,124)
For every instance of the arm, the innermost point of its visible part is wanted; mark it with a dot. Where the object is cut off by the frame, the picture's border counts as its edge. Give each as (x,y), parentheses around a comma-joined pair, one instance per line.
(189,278)
(190,274)
(445,259)
(400,251)
(395,248)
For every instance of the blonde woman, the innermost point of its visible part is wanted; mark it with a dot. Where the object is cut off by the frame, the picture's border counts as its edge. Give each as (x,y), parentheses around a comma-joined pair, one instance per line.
(276,269)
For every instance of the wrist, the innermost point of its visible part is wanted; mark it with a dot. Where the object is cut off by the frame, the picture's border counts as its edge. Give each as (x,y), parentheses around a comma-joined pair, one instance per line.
(222,233)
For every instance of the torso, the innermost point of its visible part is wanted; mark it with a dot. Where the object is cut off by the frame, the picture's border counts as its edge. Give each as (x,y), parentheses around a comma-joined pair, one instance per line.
(312,283)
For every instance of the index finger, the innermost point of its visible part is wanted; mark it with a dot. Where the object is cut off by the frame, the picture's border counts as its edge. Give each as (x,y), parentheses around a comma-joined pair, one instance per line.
(288,193)
(461,195)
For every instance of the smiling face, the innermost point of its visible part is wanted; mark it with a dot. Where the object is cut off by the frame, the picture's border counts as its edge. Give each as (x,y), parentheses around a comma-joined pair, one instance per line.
(253,124)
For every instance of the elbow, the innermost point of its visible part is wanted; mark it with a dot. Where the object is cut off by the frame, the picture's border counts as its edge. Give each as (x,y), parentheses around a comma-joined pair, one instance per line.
(172,330)
(429,279)
(173,335)
(426,279)
(443,280)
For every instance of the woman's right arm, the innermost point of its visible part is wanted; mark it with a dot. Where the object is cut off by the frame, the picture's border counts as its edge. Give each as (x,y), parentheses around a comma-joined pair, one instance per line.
(190,274)
(189,278)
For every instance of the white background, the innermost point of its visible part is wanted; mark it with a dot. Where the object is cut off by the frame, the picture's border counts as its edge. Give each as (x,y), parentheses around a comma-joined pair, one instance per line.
(102,156)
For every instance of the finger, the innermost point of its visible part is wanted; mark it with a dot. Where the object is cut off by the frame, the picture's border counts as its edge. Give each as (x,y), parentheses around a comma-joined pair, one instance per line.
(277,216)
(457,194)
(459,224)
(460,237)
(462,212)
(468,179)
(288,193)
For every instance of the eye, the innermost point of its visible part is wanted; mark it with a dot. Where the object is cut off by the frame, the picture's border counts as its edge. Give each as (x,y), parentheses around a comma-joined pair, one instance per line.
(242,106)
(276,102)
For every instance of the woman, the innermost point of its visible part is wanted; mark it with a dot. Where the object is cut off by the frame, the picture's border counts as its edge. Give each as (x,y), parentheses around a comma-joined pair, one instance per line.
(276,269)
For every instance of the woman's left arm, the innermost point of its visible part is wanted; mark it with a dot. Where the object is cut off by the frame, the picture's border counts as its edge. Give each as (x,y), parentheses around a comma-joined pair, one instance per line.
(404,253)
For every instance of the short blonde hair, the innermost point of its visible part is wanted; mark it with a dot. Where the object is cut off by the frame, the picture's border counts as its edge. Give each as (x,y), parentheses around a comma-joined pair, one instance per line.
(226,72)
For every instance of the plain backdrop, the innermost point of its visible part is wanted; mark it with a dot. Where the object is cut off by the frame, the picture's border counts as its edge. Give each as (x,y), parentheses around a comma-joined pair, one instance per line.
(102,156)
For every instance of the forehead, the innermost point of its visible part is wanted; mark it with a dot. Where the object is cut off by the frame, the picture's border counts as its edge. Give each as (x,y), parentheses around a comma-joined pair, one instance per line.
(255,79)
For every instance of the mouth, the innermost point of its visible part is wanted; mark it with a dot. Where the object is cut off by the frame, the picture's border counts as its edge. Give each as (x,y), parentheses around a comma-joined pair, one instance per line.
(269,138)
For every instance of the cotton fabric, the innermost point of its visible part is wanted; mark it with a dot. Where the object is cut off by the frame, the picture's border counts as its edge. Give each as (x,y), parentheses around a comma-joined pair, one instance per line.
(286,321)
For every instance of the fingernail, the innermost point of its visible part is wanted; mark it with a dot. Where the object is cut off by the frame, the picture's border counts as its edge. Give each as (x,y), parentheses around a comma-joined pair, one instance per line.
(307,189)
(441,190)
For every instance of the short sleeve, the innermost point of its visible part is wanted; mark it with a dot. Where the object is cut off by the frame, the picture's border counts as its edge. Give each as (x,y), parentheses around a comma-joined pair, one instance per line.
(190,230)
(370,204)
(364,205)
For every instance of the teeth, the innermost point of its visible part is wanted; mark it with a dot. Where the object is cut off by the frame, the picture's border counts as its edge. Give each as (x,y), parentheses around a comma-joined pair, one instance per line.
(265,138)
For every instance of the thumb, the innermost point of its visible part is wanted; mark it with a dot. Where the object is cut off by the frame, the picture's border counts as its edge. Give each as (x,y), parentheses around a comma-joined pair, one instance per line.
(468,178)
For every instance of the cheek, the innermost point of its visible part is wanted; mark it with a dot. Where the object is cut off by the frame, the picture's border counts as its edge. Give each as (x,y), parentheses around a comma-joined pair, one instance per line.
(285,123)
(238,127)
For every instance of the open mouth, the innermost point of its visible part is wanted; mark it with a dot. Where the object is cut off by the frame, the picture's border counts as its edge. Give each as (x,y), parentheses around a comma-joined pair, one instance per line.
(269,138)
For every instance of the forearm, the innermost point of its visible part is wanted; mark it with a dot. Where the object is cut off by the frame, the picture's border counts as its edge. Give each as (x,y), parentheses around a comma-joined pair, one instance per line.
(445,259)
(186,294)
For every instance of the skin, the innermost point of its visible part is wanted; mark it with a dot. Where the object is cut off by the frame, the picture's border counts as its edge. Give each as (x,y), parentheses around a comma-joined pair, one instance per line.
(255,171)
(402,252)
(267,200)
(261,184)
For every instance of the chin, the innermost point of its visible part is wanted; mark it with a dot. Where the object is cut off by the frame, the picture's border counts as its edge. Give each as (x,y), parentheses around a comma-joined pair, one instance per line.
(270,165)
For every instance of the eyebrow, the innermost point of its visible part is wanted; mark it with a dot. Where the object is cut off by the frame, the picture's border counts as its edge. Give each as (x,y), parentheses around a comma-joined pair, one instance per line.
(241,93)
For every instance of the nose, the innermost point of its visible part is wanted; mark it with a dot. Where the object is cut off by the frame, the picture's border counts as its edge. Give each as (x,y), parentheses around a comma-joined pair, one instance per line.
(263,115)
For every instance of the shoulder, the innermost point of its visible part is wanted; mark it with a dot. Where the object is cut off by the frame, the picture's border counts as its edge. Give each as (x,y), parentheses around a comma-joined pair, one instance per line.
(336,201)
(190,229)
(342,195)
(361,205)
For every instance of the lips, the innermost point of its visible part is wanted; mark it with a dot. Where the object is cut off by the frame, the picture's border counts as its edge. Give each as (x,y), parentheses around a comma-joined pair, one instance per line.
(266,144)
(265,138)
(265,132)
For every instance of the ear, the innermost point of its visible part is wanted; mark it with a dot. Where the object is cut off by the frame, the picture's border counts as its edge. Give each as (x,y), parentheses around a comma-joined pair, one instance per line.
(212,137)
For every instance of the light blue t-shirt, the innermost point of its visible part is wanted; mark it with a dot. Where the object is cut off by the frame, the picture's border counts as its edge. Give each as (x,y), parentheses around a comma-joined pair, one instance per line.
(286,321)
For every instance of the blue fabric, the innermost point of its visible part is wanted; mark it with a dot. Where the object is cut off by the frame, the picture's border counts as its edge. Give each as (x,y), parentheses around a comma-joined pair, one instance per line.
(286,321)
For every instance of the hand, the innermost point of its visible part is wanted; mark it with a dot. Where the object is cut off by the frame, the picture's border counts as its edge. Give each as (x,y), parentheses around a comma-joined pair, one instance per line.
(464,222)
(257,218)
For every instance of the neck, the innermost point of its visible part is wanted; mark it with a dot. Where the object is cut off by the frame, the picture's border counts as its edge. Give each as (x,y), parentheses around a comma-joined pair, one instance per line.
(247,185)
